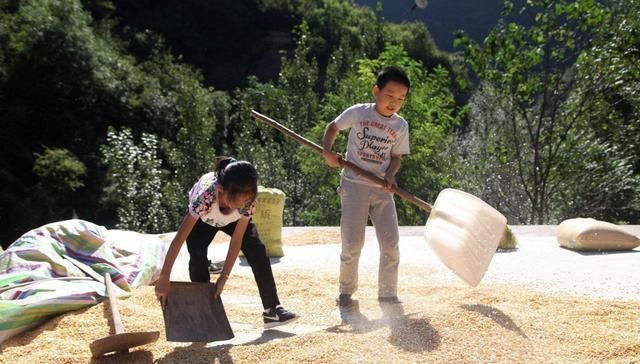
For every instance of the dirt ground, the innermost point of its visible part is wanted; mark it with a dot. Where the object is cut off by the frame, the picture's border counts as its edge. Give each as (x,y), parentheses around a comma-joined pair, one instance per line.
(538,264)
(539,303)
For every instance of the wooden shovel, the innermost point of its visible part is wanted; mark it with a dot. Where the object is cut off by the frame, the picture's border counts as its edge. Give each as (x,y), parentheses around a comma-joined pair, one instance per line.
(121,341)
(463,230)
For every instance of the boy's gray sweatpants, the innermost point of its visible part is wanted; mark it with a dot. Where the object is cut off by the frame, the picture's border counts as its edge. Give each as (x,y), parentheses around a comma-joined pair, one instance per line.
(360,201)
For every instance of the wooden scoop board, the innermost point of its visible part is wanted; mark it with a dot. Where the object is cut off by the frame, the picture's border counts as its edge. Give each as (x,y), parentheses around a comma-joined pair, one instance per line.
(193,315)
(122,342)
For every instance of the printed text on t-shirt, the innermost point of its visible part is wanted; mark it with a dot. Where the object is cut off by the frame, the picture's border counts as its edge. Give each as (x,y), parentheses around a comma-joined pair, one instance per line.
(373,147)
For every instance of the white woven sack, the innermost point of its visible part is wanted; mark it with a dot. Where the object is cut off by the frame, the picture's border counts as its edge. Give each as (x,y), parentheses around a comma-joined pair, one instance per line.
(594,235)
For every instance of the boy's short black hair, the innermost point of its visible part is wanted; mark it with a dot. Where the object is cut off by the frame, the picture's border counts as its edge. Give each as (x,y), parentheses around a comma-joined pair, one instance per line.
(395,74)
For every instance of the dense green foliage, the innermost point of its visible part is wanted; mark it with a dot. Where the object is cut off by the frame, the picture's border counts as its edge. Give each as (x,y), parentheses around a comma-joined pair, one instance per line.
(137,183)
(111,109)
(59,175)
(536,117)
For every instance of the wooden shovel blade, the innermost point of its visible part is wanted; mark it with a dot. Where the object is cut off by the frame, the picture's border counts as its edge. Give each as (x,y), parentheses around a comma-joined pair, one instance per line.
(122,342)
(194,315)
(464,232)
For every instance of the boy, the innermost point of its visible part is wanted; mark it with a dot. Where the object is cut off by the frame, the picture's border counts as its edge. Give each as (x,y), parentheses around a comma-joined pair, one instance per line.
(378,139)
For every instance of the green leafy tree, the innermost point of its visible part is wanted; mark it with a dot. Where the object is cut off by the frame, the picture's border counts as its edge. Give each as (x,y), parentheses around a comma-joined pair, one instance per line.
(339,24)
(256,142)
(59,174)
(194,140)
(608,79)
(138,185)
(608,189)
(607,94)
(526,125)
(184,114)
(62,83)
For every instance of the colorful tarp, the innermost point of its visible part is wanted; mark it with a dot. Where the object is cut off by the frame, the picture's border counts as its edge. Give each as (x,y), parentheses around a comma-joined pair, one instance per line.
(43,272)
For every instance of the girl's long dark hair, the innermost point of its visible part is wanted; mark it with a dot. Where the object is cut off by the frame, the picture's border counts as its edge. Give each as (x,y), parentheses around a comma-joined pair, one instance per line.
(237,177)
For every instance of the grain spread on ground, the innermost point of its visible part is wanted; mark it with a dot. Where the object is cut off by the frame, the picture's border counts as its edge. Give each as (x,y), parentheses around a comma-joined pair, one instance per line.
(436,323)
(319,236)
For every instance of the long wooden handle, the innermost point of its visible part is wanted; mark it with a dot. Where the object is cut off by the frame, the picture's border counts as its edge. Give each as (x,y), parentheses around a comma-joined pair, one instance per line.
(115,314)
(366,174)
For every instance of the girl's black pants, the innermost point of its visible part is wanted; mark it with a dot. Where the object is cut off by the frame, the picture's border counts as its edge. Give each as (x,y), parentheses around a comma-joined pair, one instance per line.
(252,247)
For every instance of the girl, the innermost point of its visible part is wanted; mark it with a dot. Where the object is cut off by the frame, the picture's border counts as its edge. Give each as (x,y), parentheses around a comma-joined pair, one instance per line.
(225,200)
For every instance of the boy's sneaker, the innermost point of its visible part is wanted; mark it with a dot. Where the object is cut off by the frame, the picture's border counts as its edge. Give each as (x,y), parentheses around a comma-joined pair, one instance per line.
(344,300)
(278,316)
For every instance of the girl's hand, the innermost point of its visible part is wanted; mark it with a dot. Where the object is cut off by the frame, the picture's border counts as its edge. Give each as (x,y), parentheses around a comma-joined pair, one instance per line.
(220,285)
(163,288)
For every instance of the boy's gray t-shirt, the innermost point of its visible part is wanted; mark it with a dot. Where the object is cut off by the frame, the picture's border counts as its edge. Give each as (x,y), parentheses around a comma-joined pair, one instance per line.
(373,138)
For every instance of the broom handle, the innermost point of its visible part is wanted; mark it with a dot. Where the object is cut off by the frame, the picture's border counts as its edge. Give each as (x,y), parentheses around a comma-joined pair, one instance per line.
(315,147)
(115,314)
